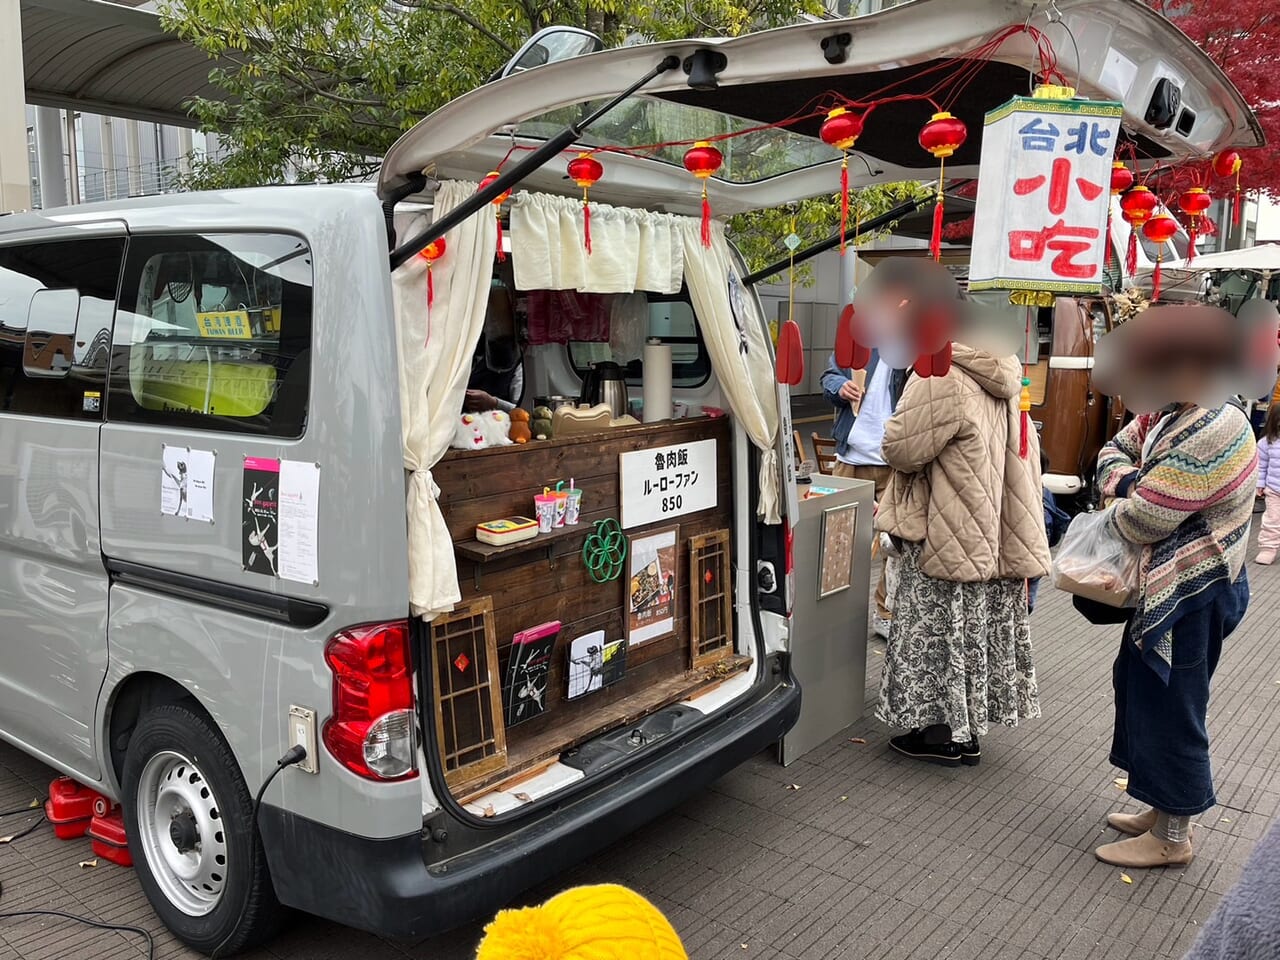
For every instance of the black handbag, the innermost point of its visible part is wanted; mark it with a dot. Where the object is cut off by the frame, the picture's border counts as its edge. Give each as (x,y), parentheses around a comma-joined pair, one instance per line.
(1100,614)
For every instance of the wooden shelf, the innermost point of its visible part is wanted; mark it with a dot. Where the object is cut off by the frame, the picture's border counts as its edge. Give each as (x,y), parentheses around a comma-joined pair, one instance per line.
(480,552)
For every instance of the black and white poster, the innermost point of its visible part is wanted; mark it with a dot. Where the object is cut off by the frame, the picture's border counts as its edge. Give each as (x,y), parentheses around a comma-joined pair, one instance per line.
(186,483)
(260,516)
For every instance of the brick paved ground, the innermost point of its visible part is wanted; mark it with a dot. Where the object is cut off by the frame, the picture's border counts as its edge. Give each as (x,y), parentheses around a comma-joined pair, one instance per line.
(873,857)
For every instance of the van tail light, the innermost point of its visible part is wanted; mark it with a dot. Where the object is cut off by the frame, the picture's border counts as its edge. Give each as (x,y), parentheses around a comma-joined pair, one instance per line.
(371,730)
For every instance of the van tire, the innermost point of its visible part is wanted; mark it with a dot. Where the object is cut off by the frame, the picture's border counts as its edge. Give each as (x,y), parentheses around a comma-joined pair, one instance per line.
(246,912)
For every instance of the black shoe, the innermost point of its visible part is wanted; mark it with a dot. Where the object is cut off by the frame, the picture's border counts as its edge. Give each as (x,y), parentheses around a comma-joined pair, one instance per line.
(970,753)
(913,745)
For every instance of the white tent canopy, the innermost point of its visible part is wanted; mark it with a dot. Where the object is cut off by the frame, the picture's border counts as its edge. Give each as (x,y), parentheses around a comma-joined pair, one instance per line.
(1263,257)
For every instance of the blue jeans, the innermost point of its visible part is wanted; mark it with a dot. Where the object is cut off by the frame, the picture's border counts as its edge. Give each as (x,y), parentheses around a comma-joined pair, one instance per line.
(1160,734)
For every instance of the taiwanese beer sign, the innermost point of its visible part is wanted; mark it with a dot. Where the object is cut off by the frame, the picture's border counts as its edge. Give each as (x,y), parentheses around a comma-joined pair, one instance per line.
(1043,193)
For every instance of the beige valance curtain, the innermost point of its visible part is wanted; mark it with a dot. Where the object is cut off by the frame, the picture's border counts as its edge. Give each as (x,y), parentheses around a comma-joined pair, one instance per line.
(630,249)
(436,346)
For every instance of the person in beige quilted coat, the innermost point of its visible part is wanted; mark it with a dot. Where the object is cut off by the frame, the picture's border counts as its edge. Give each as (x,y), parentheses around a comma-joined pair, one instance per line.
(965,510)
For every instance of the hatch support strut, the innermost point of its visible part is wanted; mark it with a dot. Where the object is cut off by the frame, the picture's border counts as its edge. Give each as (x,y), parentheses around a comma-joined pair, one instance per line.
(505,181)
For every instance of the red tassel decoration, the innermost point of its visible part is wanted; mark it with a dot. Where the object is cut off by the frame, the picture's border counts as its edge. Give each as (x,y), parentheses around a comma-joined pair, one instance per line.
(844,200)
(502,254)
(1191,241)
(431,288)
(1024,406)
(935,239)
(586,226)
(1236,207)
(1131,255)
(1155,282)
(706,218)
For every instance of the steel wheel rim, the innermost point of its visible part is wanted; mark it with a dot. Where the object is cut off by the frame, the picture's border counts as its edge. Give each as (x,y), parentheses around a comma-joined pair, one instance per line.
(172,788)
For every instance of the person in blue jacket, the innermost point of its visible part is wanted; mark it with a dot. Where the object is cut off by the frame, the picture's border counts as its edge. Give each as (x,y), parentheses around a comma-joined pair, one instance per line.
(859,435)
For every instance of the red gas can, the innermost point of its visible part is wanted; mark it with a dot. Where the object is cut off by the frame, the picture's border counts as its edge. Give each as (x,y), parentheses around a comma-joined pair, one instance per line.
(70,807)
(108,836)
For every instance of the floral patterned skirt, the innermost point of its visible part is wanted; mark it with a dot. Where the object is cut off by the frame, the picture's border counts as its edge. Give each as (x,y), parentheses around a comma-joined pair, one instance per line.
(958,653)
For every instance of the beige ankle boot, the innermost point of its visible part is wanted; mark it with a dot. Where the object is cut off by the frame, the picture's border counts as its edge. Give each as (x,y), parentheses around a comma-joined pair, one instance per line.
(1145,851)
(1134,824)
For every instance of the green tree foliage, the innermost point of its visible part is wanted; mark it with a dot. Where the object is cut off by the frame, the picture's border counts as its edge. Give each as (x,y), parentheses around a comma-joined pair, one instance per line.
(320,89)
(323,87)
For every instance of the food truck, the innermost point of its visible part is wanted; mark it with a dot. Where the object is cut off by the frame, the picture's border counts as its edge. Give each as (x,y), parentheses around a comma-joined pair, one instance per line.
(317,617)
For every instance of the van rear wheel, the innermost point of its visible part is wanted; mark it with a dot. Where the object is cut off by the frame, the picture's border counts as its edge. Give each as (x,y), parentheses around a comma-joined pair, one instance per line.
(191,833)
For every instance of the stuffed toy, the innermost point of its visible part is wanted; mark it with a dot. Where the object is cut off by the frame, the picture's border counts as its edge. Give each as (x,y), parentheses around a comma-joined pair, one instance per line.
(520,430)
(542,423)
(476,431)
(605,922)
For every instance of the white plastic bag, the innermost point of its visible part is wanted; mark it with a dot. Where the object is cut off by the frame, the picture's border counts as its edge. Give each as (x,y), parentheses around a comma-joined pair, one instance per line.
(1095,562)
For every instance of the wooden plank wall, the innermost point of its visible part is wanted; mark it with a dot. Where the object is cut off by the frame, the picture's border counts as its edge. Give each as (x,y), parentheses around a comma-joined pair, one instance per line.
(527,589)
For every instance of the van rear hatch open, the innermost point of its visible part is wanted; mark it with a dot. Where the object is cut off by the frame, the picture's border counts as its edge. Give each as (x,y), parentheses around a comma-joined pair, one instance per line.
(1128,53)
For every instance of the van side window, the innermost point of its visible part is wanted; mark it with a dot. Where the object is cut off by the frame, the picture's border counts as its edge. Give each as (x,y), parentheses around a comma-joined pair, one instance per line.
(214,333)
(57,300)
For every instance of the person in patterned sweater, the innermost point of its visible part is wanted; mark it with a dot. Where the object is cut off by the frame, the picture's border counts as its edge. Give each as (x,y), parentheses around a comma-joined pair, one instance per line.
(1185,478)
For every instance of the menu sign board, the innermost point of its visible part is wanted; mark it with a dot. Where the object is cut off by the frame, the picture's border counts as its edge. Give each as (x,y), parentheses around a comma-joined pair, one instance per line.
(665,482)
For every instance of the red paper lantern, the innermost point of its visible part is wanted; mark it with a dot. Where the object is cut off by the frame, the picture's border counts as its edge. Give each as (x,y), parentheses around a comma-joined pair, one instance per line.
(1194,201)
(1227,164)
(1159,229)
(585,170)
(497,201)
(1136,206)
(432,252)
(1121,178)
(841,130)
(942,136)
(703,160)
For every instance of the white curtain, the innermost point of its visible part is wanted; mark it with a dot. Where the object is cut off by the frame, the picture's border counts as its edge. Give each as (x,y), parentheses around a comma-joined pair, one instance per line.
(733,331)
(630,249)
(436,347)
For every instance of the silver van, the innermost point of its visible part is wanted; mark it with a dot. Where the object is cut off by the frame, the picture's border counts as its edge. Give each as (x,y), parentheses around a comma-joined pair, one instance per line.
(214,608)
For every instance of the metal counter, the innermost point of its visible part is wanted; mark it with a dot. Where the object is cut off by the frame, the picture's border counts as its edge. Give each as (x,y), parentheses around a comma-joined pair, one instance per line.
(829,633)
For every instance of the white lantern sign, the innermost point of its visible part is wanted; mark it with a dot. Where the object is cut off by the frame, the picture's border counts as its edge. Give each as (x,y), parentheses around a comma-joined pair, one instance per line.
(1044,186)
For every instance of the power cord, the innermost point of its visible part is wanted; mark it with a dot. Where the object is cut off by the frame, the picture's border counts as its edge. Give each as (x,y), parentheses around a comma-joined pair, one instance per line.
(58,914)
(295,754)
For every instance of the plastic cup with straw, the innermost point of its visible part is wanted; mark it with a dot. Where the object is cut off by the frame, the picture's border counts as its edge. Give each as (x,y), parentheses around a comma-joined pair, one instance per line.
(573,505)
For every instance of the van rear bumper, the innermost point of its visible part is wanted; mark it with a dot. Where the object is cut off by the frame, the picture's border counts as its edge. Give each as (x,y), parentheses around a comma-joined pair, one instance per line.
(387,886)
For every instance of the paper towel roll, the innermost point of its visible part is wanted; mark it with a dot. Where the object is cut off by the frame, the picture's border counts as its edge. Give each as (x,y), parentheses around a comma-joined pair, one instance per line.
(657,381)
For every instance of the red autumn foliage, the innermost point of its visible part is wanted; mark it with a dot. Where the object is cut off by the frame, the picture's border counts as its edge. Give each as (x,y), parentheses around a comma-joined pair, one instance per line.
(1242,37)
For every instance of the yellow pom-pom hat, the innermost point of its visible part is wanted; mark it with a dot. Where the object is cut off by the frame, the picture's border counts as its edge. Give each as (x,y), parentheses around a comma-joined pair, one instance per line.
(604,922)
